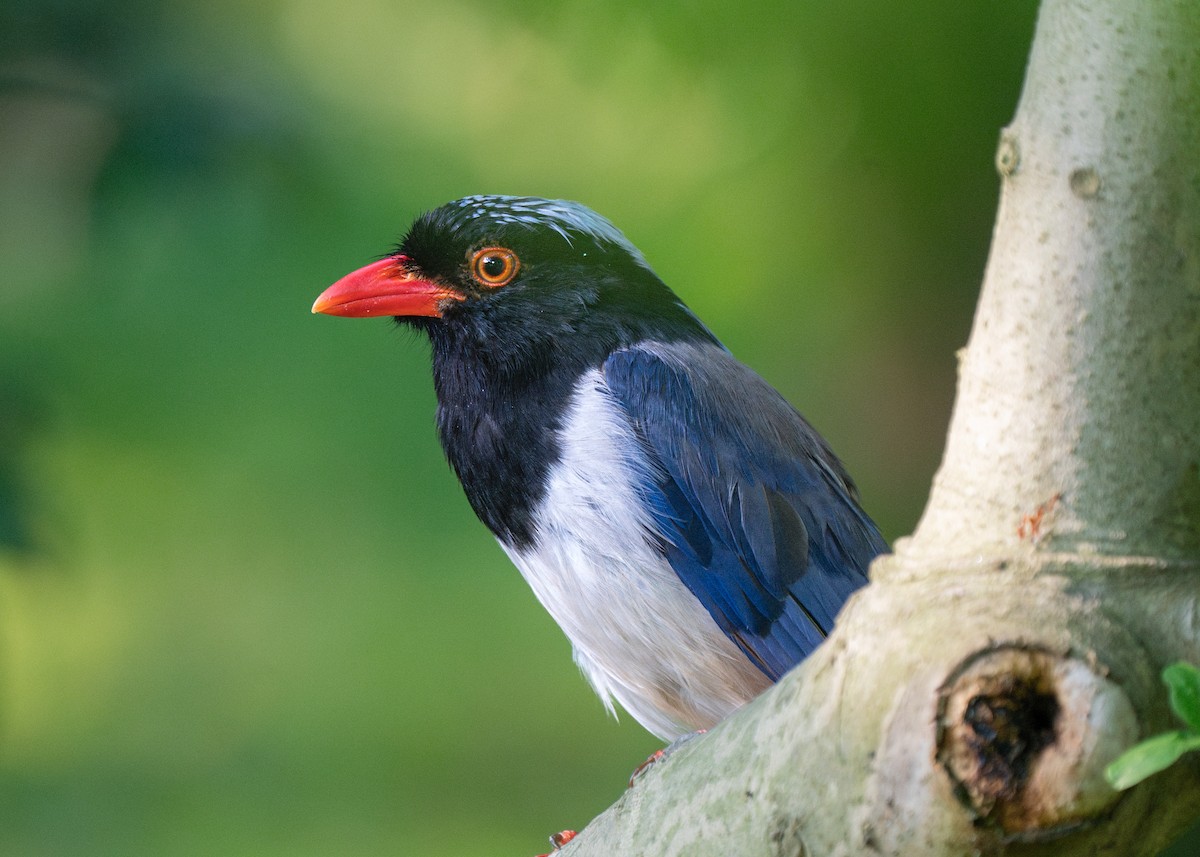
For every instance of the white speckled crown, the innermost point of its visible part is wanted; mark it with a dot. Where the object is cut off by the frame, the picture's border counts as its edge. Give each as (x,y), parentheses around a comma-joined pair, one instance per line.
(562,215)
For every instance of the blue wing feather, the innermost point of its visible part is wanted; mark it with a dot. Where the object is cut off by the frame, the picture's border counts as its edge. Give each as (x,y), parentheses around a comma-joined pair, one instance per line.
(753,511)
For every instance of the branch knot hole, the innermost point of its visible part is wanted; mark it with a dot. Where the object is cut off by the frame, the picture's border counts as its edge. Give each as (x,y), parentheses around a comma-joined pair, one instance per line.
(1007,725)
(1024,734)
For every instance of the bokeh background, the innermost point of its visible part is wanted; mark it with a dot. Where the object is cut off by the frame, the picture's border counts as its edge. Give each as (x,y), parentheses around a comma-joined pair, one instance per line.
(246,610)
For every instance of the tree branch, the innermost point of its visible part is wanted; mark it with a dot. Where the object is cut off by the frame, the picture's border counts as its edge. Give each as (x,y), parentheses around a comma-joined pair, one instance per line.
(1082,377)
(970,698)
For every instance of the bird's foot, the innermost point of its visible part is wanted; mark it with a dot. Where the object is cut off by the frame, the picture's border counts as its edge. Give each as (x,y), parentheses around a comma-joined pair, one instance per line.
(558,840)
(658,755)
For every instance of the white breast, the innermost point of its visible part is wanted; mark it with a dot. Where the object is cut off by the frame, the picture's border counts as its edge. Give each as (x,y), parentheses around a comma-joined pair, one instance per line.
(639,635)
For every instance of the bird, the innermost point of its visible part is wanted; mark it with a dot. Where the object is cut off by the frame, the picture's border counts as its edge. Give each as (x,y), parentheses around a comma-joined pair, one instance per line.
(690,532)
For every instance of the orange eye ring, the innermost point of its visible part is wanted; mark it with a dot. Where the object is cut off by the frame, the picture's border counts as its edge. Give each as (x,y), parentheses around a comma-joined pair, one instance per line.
(493,267)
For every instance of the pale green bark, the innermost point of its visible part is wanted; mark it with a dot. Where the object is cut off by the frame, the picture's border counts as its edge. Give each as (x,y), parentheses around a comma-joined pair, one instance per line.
(1056,569)
(1082,378)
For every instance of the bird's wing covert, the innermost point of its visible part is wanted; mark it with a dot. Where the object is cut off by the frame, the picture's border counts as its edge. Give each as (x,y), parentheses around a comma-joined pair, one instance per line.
(752,509)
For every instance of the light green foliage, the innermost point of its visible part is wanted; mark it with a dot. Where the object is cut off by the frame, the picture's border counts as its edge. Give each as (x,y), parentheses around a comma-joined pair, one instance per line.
(1160,752)
(244,608)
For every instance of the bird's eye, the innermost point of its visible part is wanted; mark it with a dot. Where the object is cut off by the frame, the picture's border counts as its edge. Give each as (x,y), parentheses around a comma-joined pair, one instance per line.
(493,267)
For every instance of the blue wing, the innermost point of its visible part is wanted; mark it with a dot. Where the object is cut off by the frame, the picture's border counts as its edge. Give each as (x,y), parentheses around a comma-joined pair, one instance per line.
(753,510)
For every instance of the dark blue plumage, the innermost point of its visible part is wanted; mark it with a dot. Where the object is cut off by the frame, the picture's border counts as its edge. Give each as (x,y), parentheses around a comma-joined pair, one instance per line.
(755,513)
(692,534)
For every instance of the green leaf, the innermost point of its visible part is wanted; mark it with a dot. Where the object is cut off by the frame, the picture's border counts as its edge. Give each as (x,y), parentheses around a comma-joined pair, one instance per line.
(1149,757)
(1183,681)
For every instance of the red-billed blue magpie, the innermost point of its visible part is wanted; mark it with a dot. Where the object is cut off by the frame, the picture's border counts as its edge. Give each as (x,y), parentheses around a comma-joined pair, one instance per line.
(692,534)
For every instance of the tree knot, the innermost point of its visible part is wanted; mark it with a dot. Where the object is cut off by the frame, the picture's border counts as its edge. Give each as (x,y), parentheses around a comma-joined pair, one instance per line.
(1019,734)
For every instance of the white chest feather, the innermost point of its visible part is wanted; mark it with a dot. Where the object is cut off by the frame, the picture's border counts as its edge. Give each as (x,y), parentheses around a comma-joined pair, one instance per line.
(639,635)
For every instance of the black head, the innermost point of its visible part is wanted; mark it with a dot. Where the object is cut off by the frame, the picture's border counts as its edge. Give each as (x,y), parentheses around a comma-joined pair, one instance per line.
(520,298)
(514,274)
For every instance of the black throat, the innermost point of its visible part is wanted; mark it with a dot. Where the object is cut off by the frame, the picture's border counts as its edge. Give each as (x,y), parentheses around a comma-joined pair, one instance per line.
(504,390)
(498,418)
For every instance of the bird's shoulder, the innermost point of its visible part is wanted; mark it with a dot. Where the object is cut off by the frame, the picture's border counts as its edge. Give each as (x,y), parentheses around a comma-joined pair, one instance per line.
(688,397)
(756,514)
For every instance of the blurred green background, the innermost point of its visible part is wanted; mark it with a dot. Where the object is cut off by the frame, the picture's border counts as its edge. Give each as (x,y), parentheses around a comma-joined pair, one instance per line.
(246,610)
